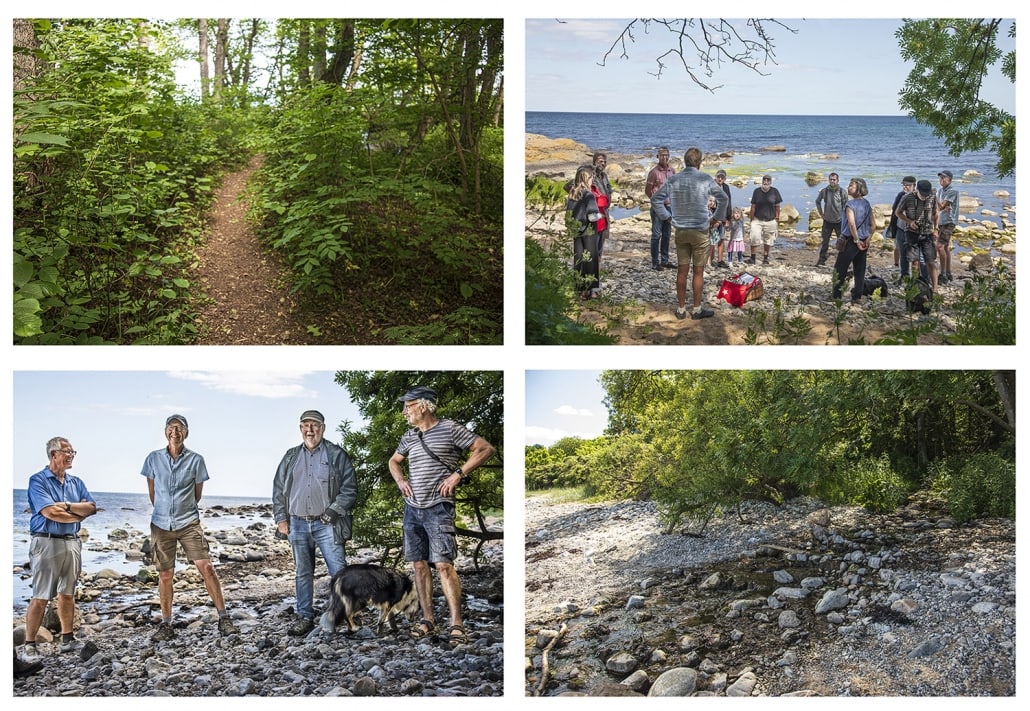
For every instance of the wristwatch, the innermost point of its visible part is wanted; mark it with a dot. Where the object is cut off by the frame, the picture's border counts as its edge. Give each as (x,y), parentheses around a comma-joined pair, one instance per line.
(67,507)
(464,477)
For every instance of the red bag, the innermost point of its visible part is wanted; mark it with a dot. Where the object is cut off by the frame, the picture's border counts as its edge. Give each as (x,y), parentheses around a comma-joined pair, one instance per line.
(740,289)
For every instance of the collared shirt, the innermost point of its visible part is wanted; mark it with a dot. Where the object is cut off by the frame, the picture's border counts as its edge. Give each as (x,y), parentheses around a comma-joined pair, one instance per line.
(949,216)
(687,193)
(309,493)
(45,489)
(657,177)
(446,439)
(175,481)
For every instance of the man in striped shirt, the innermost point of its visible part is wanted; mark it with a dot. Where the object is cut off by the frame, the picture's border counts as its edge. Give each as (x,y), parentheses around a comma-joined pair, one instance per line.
(433,448)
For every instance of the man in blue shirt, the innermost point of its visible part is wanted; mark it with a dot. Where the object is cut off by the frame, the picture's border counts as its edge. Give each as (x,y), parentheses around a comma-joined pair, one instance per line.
(687,193)
(947,206)
(175,481)
(59,502)
(313,497)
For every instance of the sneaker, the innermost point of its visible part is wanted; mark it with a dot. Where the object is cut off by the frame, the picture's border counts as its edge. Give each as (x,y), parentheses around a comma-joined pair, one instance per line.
(225,626)
(29,653)
(656,267)
(681,313)
(164,633)
(751,259)
(668,265)
(301,627)
(24,667)
(72,645)
(703,312)
(820,262)
(723,265)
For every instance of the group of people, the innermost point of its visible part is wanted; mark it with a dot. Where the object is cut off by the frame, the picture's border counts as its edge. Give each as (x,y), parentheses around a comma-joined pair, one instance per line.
(314,493)
(695,212)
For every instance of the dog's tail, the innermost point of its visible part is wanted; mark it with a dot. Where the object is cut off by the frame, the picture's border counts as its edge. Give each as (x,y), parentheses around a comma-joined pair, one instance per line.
(334,610)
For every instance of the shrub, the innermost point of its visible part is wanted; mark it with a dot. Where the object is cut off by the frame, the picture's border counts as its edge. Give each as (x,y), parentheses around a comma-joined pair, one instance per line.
(977,486)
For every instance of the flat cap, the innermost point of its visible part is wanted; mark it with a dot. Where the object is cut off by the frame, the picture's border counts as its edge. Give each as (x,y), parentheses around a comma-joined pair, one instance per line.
(313,415)
(945,173)
(419,392)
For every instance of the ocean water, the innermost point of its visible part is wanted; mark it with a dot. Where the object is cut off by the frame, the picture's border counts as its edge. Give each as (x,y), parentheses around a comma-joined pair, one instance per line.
(130,512)
(881,149)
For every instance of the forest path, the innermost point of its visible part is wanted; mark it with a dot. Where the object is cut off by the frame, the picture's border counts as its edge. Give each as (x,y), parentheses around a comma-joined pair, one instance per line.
(249,304)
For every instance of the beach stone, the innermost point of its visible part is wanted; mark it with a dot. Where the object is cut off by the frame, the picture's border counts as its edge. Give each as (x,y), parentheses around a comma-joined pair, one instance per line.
(679,681)
(621,663)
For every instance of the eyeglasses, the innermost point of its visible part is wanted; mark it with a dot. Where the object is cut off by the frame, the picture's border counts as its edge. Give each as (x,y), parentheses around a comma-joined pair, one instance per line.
(69,452)
(175,428)
(766,182)
(407,406)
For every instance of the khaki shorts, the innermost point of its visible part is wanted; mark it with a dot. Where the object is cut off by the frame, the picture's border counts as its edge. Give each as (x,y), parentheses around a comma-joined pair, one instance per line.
(163,544)
(56,564)
(944,233)
(692,246)
(763,232)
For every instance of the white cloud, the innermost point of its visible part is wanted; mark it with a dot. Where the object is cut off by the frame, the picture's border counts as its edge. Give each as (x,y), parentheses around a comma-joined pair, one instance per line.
(274,385)
(573,411)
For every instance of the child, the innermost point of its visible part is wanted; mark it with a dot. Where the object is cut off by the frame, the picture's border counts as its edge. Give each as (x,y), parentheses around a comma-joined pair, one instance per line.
(737,236)
(716,234)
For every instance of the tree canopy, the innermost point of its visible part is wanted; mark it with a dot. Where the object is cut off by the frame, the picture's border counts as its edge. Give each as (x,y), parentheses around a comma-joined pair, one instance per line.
(698,441)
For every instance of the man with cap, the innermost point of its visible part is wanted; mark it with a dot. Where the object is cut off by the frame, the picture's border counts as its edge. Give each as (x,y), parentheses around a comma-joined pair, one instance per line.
(434,448)
(661,230)
(917,212)
(59,501)
(765,218)
(175,481)
(313,496)
(898,228)
(947,207)
(829,203)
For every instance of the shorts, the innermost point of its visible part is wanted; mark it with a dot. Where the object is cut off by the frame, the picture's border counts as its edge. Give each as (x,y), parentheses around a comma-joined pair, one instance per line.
(692,246)
(56,564)
(944,233)
(716,234)
(429,533)
(163,544)
(921,245)
(763,232)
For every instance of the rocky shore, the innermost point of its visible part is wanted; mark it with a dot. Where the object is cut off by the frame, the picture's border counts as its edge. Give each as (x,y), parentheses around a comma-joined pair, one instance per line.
(793,285)
(119,613)
(795,600)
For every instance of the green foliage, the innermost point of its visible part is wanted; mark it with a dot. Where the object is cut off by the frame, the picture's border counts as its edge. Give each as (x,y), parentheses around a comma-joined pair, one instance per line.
(702,441)
(787,324)
(977,486)
(951,58)
(986,311)
(472,398)
(551,303)
(111,172)
(873,483)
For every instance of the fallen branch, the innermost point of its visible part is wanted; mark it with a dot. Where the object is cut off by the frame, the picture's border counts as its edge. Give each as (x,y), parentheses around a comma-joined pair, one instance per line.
(545,667)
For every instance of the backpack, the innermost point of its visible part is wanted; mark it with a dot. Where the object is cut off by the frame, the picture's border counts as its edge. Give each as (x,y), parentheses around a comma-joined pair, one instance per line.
(872,284)
(923,299)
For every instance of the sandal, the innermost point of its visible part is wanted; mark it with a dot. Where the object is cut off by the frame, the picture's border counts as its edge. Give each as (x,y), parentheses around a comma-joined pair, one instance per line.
(425,628)
(456,635)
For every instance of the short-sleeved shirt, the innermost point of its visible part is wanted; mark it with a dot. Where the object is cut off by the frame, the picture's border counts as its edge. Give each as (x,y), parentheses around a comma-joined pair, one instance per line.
(449,441)
(765,203)
(949,216)
(45,489)
(175,481)
(863,212)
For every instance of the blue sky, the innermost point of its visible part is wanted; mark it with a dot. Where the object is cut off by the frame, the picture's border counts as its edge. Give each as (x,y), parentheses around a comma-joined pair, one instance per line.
(837,66)
(563,403)
(241,422)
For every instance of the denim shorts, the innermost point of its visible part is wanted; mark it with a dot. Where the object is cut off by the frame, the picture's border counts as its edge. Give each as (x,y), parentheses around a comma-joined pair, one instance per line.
(429,533)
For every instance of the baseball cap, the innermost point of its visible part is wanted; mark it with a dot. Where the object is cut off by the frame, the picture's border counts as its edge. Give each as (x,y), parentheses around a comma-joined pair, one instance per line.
(945,173)
(313,415)
(419,392)
(908,180)
(924,187)
(177,418)
(721,174)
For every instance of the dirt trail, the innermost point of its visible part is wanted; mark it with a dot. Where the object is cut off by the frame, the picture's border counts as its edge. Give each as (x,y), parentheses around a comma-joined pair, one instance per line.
(249,303)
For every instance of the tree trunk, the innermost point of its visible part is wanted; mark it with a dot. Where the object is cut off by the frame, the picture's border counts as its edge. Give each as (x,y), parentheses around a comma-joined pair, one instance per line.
(1005,384)
(221,49)
(205,75)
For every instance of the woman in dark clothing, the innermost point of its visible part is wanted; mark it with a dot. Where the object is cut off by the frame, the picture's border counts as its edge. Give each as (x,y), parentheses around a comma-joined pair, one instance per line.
(855,231)
(585,219)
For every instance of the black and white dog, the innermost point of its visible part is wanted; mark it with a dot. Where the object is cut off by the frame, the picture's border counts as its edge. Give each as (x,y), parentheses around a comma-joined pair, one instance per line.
(362,585)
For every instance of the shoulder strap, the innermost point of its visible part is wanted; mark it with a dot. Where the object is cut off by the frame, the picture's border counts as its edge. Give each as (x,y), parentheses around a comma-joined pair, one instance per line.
(430,452)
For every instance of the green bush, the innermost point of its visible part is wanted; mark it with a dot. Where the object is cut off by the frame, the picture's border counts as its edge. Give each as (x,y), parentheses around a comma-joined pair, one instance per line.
(977,486)
(987,310)
(551,301)
(873,483)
